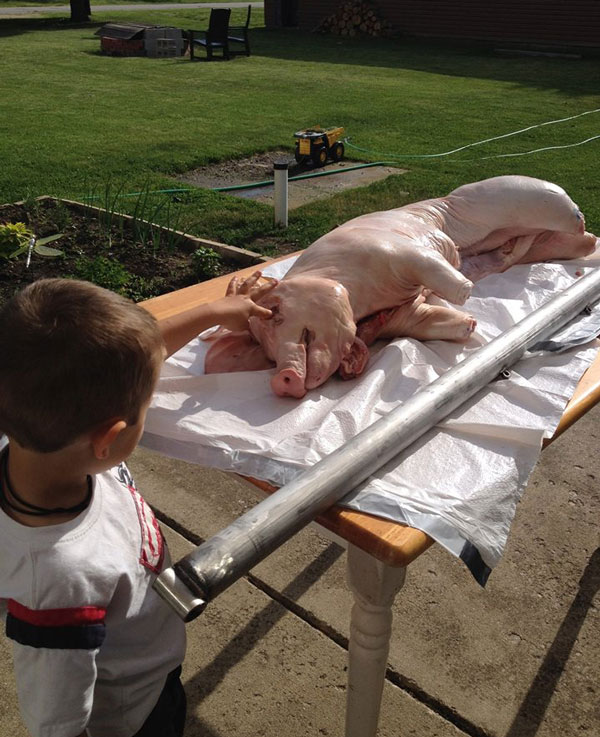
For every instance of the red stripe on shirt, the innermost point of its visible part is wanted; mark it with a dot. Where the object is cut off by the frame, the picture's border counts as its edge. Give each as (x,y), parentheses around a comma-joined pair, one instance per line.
(153,548)
(57,617)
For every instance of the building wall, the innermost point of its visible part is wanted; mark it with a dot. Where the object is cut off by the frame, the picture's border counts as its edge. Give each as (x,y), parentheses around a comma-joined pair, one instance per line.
(552,22)
(282,13)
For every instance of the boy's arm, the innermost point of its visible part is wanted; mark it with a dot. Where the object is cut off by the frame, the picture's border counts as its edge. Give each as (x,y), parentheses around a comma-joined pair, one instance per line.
(231,311)
(55,687)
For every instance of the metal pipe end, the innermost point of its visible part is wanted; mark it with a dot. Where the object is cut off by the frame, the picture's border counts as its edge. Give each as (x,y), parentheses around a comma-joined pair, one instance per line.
(178,596)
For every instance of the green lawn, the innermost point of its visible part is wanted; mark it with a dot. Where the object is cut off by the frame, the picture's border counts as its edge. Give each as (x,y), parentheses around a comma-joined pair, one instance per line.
(50,3)
(75,122)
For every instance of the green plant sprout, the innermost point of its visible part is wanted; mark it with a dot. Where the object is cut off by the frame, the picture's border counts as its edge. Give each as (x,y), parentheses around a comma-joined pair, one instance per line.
(17,238)
(206,263)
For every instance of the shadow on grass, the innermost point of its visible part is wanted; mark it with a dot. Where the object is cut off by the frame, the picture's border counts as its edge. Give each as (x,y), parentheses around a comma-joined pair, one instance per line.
(19,26)
(571,76)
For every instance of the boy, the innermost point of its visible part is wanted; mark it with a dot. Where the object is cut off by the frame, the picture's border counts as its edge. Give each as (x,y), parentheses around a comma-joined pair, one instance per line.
(96,652)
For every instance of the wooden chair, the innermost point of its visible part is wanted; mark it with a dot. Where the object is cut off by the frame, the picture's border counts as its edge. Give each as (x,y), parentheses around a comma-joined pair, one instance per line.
(239,35)
(213,38)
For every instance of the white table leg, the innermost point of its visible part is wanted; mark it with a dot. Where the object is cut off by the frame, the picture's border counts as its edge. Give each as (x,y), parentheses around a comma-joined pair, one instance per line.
(374,586)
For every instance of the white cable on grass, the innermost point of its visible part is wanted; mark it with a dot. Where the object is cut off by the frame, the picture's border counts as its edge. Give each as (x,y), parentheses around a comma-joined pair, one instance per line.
(534,151)
(495,138)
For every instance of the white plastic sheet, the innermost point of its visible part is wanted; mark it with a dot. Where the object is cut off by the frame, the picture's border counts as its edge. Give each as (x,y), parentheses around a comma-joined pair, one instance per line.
(460,482)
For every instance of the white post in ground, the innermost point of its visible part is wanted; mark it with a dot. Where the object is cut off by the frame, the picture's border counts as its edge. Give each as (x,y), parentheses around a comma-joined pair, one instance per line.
(280,177)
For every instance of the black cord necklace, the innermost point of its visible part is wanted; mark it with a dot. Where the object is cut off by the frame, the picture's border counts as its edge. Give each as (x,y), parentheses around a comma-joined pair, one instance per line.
(25,507)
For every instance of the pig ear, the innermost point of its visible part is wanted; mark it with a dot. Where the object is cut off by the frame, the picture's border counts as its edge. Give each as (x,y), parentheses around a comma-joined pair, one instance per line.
(236,352)
(354,362)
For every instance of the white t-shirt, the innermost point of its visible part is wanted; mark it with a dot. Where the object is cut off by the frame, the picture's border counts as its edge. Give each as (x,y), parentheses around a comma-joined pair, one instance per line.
(92,641)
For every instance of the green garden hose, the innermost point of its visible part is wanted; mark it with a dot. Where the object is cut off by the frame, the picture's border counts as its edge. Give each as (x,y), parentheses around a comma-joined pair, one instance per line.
(267,182)
(397,158)
(252,185)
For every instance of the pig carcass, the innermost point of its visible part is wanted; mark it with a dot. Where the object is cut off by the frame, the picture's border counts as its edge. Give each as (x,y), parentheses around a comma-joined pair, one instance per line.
(371,278)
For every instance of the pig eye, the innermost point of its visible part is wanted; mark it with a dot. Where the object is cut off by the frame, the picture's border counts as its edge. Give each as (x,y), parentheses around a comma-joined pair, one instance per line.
(276,317)
(307,336)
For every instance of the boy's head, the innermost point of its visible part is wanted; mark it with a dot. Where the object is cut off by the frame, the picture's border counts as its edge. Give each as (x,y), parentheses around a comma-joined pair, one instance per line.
(73,356)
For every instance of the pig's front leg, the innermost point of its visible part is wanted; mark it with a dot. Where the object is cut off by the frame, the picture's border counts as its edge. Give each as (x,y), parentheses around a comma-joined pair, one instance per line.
(434,322)
(419,320)
(415,264)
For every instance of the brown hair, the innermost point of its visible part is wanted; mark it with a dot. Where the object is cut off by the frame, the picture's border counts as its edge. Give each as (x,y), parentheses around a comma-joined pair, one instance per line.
(73,355)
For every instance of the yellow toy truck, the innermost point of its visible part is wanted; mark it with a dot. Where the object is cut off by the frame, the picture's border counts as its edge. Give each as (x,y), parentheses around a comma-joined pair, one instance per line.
(318,145)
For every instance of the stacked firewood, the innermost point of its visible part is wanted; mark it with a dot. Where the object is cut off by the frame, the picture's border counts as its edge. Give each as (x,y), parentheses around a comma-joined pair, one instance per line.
(356,18)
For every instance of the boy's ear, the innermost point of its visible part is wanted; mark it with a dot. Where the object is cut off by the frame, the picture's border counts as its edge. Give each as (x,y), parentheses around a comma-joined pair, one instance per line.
(104,436)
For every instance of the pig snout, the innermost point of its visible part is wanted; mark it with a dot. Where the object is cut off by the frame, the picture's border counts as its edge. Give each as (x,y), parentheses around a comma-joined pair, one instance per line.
(289,381)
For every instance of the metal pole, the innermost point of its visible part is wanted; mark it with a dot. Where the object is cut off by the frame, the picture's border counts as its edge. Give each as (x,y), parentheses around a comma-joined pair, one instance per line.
(280,178)
(222,559)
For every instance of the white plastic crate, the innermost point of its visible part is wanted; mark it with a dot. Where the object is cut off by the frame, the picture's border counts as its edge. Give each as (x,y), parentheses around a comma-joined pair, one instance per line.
(163,42)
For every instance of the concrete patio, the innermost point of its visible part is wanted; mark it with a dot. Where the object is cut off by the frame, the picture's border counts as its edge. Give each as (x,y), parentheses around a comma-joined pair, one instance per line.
(518,659)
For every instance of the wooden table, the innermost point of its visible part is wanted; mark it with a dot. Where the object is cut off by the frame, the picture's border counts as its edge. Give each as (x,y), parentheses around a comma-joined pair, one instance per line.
(378,551)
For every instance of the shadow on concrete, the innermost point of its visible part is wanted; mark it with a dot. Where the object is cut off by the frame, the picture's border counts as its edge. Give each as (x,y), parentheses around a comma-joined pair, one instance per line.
(195,727)
(531,712)
(205,681)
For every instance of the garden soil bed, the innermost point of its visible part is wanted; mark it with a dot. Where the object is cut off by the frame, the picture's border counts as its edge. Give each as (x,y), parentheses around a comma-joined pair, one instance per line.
(137,260)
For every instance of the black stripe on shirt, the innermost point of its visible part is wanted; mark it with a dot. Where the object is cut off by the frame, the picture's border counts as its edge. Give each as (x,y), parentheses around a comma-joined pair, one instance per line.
(86,637)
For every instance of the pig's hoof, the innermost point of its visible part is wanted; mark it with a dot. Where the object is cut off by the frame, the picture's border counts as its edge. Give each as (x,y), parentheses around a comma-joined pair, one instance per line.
(469,327)
(466,330)
(464,292)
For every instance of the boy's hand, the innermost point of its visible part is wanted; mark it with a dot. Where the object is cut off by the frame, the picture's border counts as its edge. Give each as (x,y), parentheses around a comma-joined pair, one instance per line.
(250,285)
(239,304)
(231,311)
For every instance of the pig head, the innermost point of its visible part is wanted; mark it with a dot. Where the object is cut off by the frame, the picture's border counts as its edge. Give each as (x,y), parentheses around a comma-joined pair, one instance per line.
(311,334)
